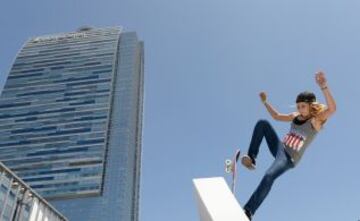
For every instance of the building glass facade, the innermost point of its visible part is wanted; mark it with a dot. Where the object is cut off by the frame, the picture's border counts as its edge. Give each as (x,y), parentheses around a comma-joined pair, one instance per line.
(71,121)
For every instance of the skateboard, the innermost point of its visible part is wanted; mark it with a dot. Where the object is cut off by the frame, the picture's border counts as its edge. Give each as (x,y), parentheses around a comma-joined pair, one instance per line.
(230,167)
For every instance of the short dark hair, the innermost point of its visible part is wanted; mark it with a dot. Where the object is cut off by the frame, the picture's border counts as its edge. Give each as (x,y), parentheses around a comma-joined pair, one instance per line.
(306,96)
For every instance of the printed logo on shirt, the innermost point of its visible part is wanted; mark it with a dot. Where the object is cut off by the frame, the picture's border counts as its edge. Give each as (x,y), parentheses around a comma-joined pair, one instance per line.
(294,140)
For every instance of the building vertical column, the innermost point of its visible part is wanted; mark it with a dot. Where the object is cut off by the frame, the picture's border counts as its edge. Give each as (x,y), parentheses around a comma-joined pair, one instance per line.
(6,198)
(34,210)
(18,189)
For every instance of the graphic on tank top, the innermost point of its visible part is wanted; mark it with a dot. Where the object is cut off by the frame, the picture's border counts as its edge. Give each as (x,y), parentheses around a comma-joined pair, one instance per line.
(294,140)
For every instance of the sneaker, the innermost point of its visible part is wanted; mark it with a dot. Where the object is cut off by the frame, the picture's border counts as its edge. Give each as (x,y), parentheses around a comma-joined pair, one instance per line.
(248,162)
(248,214)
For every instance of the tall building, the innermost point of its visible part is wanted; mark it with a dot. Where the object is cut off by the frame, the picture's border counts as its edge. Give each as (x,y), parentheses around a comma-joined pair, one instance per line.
(71,121)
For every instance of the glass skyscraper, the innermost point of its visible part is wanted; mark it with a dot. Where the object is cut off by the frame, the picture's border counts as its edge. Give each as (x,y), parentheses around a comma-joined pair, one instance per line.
(71,121)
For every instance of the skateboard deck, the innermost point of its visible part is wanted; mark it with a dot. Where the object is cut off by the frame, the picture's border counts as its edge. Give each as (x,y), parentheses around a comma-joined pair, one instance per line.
(231,167)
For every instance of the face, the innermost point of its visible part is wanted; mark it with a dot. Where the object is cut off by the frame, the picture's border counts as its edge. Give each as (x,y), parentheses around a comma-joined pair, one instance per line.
(303,108)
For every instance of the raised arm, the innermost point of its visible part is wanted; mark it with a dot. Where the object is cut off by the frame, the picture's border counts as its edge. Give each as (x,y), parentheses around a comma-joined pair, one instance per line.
(274,113)
(331,105)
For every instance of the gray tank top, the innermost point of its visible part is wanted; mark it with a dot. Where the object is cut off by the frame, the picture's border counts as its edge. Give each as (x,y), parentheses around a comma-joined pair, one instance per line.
(299,137)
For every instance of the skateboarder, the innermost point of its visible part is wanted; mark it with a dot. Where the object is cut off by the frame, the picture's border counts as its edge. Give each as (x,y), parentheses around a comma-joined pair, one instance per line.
(305,124)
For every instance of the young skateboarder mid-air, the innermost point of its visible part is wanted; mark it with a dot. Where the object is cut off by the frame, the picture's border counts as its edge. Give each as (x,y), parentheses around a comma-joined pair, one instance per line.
(306,122)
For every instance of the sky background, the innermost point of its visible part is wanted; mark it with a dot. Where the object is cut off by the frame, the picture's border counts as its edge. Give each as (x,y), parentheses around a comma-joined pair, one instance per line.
(205,63)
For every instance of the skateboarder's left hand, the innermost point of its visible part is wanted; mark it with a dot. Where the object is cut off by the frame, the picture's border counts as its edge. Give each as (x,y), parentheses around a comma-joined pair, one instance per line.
(320,78)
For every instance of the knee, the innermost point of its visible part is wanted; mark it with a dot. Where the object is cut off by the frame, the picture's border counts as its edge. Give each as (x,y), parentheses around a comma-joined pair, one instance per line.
(262,122)
(268,178)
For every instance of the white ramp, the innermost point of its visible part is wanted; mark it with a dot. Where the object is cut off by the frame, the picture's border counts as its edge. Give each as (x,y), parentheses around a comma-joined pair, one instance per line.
(216,202)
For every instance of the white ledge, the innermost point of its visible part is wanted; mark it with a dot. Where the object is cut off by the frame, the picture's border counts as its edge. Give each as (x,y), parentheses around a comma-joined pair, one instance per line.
(216,202)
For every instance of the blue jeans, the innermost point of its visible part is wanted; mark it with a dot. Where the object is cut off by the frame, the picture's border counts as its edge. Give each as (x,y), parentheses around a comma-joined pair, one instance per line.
(281,163)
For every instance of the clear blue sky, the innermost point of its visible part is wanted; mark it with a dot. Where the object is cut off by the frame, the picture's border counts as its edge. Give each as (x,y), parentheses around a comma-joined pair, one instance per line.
(206,62)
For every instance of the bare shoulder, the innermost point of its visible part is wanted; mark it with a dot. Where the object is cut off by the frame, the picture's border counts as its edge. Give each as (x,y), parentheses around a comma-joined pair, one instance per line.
(286,117)
(294,114)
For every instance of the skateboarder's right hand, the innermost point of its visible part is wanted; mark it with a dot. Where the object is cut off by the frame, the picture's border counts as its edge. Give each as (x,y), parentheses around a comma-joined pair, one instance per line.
(263,96)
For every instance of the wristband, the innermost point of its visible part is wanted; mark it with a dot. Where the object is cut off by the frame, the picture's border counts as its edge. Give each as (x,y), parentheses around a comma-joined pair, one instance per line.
(323,88)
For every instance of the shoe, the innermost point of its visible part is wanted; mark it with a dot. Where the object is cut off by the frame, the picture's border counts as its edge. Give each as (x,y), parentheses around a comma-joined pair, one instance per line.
(248,214)
(248,162)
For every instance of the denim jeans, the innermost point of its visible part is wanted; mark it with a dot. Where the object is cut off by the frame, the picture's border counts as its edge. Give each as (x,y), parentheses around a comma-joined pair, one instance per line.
(281,163)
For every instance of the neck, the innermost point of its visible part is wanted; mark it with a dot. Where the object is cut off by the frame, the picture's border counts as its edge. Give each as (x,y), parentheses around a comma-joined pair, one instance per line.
(305,117)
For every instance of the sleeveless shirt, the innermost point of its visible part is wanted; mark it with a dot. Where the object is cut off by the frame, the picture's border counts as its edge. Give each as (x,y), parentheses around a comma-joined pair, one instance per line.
(299,137)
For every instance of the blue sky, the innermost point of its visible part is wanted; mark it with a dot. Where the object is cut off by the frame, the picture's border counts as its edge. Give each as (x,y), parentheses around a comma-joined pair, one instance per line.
(206,62)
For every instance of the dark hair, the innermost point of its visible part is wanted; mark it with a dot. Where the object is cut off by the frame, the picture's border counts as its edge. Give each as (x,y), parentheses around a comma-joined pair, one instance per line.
(306,96)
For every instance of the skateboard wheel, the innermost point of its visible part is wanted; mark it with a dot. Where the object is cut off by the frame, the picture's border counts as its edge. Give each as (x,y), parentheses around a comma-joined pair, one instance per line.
(228,170)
